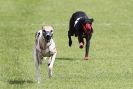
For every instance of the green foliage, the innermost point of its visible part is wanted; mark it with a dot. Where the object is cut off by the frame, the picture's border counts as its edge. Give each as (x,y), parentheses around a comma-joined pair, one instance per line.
(110,65)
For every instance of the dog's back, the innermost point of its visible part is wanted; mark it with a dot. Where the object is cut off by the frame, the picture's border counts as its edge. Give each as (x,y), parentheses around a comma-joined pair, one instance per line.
(76,17)
(76,21)
(79,14)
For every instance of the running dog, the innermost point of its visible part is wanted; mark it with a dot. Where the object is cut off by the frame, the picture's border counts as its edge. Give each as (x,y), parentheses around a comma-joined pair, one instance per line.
(80,25)
(44,47)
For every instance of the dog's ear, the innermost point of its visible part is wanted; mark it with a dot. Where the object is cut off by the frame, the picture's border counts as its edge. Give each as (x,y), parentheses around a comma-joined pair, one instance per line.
(52,29)
(91,20)
(42,27)
(43,31)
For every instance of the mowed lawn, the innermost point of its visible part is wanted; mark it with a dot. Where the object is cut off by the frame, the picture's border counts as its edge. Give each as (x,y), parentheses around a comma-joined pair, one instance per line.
(111,54)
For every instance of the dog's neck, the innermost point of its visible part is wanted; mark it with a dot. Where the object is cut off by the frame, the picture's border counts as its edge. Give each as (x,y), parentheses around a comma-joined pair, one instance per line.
(44,44)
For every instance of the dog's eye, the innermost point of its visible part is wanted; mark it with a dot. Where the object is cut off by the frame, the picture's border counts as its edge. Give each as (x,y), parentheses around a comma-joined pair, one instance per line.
(51,31)
(44,31)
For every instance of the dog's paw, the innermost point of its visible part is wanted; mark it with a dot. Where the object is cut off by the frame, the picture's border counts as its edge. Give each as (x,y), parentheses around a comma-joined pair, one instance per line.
(81,45)
(86,58)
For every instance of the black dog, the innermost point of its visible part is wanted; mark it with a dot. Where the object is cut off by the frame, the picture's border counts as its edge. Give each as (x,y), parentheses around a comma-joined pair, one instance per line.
(80,25)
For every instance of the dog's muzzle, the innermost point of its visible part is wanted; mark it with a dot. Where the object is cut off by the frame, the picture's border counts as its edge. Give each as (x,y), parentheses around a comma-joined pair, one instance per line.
(47,35)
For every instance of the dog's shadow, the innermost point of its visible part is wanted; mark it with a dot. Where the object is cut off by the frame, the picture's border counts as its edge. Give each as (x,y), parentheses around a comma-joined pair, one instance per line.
(67,59)
(20,82)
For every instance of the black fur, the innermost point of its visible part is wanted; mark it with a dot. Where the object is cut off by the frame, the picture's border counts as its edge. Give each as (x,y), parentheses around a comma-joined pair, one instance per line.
(76,29)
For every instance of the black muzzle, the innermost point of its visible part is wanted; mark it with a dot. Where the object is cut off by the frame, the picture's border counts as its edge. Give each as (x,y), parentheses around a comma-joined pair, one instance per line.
(47,35)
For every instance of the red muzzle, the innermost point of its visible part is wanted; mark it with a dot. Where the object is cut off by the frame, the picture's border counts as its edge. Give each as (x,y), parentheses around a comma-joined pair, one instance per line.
(87,28)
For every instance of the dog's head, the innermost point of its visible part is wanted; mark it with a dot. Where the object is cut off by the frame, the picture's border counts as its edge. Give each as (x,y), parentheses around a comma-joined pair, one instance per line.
(87,25)
(47,32)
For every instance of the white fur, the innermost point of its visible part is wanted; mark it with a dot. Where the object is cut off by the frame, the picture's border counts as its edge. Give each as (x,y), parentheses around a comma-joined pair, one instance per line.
(44,49)
(77,20)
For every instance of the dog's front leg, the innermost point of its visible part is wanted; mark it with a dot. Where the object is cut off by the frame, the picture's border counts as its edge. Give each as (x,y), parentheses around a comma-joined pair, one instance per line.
(87,48)
(50,64)
(70,39)
(81,41)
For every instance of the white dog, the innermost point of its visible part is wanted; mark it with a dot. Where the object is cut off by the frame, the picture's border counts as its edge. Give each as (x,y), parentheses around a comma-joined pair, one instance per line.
(44,47)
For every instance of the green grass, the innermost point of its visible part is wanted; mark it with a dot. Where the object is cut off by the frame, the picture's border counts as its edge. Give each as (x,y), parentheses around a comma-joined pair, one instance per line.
(110,65)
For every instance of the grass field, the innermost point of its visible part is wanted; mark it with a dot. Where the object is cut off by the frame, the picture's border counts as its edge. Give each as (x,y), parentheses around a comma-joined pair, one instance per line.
(111,62)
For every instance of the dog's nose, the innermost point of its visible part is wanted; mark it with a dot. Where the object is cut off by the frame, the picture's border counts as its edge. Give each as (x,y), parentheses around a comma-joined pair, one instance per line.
(48,37)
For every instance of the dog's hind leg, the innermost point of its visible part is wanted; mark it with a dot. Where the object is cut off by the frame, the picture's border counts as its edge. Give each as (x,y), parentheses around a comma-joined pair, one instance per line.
(50,64)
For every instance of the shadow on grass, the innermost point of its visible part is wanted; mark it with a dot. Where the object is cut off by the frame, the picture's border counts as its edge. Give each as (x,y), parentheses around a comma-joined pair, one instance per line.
(19,81)
(69,59)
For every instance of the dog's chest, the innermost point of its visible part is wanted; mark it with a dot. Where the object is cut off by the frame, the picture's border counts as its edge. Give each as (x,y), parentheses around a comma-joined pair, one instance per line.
(48,50)
(46,53)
